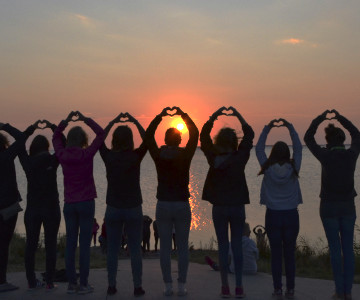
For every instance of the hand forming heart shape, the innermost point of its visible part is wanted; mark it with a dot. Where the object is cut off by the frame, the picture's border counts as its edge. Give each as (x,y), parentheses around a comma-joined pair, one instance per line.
(226,111)
(330,115)
(124,119)
(278,123)
(75,117)
(42,124)
(172,111)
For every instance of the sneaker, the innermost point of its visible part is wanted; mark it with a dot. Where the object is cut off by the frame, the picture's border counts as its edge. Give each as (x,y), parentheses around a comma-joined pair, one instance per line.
(277,294)
(348,297)
(72,288)
(85,289)
(239,292)
(7,287)
(289,294)
(51,287)
(38,285)
(111,290)
(168,290)
(182,291)
(225,292)
(337,296)
(138,292)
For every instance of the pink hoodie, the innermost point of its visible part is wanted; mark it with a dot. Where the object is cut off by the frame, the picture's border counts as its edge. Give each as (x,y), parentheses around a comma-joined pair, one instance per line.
(77,164)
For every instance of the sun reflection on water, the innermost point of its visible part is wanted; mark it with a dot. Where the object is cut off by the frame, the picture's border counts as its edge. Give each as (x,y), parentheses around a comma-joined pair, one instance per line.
(199,220)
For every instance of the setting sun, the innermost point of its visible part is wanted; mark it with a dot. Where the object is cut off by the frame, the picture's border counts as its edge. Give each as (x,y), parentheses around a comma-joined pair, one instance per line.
(180,126)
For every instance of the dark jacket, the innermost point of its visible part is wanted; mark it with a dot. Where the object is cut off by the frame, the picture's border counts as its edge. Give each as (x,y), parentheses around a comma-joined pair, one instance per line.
(225,182)
(41,174)
(337,167)
(9,193)
(172,163)
(123,176)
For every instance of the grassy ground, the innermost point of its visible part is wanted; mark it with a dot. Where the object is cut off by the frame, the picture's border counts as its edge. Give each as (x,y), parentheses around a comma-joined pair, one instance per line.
(312,260)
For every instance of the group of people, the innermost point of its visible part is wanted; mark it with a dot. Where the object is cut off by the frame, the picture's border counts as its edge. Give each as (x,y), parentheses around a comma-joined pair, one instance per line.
(225,188)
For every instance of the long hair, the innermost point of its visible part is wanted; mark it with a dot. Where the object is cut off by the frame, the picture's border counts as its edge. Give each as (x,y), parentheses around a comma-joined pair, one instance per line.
(39,144)
(226,139)
(280,154)
(172,137)
(4,142)
(122,139)
(334,136)
(77,137)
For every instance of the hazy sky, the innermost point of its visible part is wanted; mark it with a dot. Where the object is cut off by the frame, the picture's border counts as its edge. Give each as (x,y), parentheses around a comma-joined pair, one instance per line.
(269,59)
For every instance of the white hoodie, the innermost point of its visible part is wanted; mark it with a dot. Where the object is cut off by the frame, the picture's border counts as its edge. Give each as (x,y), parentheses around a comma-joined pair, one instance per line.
(280,188)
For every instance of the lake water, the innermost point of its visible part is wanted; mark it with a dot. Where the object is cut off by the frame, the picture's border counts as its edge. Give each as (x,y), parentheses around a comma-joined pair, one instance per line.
(202,229)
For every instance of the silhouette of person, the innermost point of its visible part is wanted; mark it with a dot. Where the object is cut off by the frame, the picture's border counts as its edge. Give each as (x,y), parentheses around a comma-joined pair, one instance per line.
(9,198)
(76,159)
(124,199)
(146,233)
(42,207)
(337,207)
(280,192)
(260,234)
(173,209)
(225,187)
(156,234)
(95,229)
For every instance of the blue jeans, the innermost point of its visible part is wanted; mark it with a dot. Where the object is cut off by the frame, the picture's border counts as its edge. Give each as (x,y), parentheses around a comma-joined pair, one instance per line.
(115,220)
(223,216)
(78,216)
(340,235)
(171,215)
(282,227)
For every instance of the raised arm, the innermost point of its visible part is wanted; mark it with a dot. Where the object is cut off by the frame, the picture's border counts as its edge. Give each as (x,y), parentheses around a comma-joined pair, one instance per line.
(247,141)
(206,142)
(15,148)
(150,134)
(57,139)
(193,132)
(354,132)
(309,137)
(100,133)
(143,147)
(260,146)
(23,155)
(296,143)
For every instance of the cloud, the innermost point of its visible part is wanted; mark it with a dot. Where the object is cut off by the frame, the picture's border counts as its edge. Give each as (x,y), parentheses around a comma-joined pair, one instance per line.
(84,20)
(296,42)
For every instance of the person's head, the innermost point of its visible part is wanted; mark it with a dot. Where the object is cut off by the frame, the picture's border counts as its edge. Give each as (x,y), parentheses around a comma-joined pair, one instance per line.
(77,137)
(246,229)
(280,154)
(172,137)
(334,136)
(226,140)
(39,144)
(4,142)
(122,139)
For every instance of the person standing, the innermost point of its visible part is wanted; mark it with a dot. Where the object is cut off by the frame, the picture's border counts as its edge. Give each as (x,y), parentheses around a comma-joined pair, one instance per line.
(124,199)
(42,207)
(173,209)
(76,159)
(281,194)
(226,189)
(9,198)
(337,195)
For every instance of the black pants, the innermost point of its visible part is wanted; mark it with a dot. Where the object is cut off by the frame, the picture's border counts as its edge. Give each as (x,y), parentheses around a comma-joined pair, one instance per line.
(50,219)
(6,232)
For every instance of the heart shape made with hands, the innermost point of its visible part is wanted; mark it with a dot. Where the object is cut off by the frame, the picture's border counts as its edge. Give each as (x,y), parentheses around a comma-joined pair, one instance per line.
(124,119)
(75,117)
(330,116)
(171,112)
(278,123)
(42,125)
(227,111)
